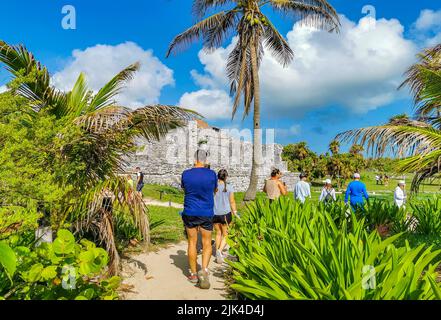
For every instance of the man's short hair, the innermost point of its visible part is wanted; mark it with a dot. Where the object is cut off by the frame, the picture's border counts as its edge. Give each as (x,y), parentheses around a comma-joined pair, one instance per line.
(201,156)
(303,175)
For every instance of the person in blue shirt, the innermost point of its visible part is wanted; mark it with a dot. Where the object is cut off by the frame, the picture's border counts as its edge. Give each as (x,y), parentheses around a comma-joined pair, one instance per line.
(200,185)
(356,193)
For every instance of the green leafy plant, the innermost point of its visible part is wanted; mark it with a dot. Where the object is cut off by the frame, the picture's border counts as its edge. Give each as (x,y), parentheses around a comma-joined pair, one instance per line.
(427,214)
(60,270)
(292,251)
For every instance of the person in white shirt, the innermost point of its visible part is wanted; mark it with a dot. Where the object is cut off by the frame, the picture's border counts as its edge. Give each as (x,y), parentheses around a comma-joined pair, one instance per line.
(328,193)
(400,196)
(303,189)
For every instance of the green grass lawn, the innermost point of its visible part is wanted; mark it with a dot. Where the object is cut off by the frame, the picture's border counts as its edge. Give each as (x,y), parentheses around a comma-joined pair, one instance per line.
(171,231)
(163,193)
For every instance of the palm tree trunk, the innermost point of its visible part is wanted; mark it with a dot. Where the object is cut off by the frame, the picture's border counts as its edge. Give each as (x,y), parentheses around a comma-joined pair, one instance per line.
(257,141)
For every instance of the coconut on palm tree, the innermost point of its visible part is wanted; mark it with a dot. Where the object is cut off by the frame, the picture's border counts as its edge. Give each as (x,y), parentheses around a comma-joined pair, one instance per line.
(98,137)
(255,32)
(415,141)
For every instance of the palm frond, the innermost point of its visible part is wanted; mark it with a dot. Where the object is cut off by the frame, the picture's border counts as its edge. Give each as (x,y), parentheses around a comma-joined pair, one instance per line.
(220,21)
(277,45)
(216,35)
(201,7)
(92,215)
(314,13)
(429,59)
(79,97)
(401,140)
(105,96)
(153,122)
(21,63)
(104,119)
(430,96)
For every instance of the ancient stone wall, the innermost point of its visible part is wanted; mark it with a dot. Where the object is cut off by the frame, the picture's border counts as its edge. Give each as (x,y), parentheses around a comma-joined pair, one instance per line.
(163,162)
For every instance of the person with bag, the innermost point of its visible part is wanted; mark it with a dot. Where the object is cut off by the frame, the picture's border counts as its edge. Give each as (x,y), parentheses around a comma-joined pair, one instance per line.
(328,195)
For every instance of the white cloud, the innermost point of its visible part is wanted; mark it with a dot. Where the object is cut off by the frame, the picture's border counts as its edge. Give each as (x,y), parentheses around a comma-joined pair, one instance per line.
(360,68)
(102,62)
(428,19)
(3,89)
(427,28)
(294,130)
(212,104)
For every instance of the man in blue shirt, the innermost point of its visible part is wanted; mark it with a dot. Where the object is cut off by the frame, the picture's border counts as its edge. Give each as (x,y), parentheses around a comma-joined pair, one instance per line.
(356,192)
(200,185)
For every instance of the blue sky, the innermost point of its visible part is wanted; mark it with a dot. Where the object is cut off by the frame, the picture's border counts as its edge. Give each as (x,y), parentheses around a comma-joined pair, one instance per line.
(337,82)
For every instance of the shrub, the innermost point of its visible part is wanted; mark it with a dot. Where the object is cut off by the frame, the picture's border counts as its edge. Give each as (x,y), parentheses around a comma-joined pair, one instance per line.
(291,251)
(428,216)
(63,270)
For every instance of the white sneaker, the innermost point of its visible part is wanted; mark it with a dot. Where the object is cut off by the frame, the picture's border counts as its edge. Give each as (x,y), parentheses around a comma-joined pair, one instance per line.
(219,257)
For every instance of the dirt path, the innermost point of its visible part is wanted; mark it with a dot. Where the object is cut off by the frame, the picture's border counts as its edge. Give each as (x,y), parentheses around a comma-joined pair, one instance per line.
(162,275)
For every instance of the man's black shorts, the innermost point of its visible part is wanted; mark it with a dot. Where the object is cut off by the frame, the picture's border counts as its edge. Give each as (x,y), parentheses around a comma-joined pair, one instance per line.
(224,219)
(192,222)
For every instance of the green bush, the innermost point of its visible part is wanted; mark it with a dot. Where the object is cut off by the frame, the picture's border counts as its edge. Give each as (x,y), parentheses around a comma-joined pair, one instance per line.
(428,216)
(62,270)
(291,251)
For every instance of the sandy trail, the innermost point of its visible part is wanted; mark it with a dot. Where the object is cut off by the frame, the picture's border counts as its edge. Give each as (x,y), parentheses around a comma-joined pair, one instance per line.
(162,275)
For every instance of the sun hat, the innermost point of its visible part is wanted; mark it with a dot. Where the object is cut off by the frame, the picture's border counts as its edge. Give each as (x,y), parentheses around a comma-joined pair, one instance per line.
(402,182)
(328,181)
(357,176)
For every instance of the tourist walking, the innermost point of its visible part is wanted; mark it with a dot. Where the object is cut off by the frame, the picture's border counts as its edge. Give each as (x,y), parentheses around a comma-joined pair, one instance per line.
(356,193)
(224,209)
(302,189)
(200,185)
(400,195)
(274,187)
(139,180)
(328,193)
(377,179)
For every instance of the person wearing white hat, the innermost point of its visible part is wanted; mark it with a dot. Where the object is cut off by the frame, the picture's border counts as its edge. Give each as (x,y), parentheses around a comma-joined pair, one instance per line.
(328,193)
(400,195)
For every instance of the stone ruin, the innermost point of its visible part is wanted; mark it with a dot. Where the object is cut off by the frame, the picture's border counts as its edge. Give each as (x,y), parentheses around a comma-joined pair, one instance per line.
(164,161)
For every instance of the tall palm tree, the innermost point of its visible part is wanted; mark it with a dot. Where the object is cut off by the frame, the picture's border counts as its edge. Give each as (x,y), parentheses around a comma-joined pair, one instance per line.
(246,19)
(107,135)
(415,141)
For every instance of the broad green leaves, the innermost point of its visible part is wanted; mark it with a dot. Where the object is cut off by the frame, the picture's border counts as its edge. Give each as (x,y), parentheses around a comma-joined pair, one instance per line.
(8,259)
(65,242)
(62,270)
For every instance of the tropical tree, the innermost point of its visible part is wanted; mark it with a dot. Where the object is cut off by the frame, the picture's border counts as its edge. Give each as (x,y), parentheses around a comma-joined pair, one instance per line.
(334,147)
(254,31)
(356,150)
(90,149)
(416,142)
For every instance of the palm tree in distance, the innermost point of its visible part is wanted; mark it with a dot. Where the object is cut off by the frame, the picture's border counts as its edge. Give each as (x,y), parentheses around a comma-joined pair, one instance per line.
(105,137)
(334,147)
(246,19)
